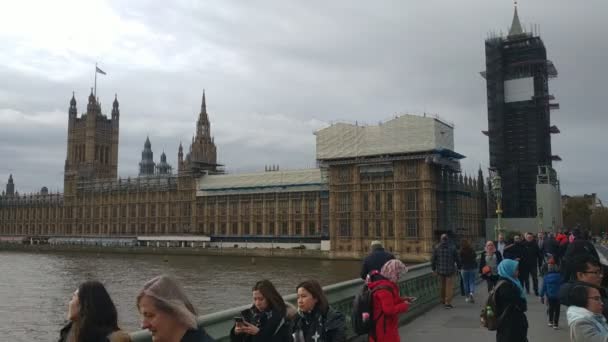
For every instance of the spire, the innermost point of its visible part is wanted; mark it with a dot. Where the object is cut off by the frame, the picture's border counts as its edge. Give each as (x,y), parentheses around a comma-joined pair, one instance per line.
(147,165)
(516,28)
(10,187)
(204,104)
(115,110)
(92,105)
(73,100)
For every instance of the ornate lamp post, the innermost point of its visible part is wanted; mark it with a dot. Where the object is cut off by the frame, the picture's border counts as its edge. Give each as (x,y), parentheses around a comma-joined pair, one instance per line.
(540,219)
(497,191)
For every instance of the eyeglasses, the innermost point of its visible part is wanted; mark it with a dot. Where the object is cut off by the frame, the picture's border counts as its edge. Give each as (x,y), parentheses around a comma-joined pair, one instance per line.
(596,298)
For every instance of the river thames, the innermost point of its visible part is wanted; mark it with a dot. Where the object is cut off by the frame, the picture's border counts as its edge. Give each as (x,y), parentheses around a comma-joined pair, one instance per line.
(35,288)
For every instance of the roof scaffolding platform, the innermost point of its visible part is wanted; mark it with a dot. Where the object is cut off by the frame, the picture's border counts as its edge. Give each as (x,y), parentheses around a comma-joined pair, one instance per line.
(402,135)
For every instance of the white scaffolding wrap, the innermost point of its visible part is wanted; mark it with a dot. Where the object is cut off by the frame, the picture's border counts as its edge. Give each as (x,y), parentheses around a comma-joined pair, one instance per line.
(404,134)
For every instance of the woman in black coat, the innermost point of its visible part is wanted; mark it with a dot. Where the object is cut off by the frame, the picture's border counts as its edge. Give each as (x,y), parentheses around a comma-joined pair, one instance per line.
(490,257)
(511,304)
(266,320)
(317,321)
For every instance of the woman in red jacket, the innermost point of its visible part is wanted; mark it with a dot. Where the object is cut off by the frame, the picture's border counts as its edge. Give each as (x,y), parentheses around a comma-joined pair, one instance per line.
(387,305)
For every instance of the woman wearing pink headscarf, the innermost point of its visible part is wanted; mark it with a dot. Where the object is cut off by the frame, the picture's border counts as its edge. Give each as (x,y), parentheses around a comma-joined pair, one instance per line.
(387,304)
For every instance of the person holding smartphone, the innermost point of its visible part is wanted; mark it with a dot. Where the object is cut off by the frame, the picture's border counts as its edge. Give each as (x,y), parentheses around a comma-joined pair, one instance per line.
(386,302)
(265,320)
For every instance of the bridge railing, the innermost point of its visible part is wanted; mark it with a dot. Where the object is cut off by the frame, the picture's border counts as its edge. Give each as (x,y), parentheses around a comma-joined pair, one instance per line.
(418,282)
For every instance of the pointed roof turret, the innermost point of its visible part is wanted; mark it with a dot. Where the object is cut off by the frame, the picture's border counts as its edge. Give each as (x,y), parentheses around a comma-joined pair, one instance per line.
(147,143)
(204,103)
(10,178)
(516,28)
(163,157)
(115,110)
(73,100)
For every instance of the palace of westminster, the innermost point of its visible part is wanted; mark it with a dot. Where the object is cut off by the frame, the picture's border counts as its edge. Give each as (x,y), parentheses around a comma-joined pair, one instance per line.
(399,182)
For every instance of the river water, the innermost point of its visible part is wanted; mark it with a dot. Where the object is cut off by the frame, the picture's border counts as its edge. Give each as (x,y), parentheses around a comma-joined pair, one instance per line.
(35,288)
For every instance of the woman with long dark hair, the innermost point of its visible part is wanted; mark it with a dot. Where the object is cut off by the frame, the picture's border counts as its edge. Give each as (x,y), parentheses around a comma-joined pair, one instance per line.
(468,259)
(316,320)
(92,316)
(265,320)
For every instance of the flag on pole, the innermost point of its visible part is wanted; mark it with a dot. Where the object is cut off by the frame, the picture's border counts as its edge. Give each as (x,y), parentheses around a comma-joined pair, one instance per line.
(99,71)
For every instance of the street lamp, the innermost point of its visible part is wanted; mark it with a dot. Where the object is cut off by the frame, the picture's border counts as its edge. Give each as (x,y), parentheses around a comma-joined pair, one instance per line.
(497,191)
(540,219)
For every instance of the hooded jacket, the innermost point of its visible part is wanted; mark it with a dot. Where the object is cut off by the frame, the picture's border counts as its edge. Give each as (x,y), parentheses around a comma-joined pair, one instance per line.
(564,293)
(551,285)
(586,326)
(387,305)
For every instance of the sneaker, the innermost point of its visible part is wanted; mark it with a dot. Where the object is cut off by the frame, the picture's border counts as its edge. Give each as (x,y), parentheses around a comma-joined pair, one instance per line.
(550,324)
(449,306)
(555,327)
(467,299)
(471,299)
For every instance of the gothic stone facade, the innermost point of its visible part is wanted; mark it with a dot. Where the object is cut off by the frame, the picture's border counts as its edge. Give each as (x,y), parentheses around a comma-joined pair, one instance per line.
(405,201)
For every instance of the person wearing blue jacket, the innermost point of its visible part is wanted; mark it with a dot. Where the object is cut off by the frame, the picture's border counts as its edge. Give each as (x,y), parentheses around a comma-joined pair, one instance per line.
(550,289)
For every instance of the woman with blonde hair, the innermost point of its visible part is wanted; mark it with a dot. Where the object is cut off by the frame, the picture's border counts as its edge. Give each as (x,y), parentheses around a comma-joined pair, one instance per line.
(167,313)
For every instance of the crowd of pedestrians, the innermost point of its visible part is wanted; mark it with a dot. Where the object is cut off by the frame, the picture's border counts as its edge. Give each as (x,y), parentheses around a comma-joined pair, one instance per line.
(568,265)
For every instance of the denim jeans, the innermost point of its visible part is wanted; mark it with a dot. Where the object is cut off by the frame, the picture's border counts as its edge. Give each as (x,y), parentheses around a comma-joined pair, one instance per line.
(469,281)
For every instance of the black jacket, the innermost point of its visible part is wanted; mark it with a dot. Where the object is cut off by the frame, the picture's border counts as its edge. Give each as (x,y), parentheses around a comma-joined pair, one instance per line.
(580,246)
(330,327)
(198,335)
(533,256)
(551,246)
(482,264)
(564,294)
(516,251)
(513,325)
(273,326)
(468,259)
(374,261)
(100,336)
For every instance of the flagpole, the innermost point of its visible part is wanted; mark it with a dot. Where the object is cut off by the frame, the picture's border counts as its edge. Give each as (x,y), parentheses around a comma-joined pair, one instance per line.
(95,93)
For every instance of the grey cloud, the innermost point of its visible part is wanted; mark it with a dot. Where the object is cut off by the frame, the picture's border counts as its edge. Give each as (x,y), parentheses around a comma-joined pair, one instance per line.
(276,70)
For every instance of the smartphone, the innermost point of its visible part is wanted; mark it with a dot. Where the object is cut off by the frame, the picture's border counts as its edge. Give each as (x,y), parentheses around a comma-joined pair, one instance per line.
(238,319)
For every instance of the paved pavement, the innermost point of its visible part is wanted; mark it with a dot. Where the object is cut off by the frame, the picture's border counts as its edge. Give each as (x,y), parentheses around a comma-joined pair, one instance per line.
(462,323)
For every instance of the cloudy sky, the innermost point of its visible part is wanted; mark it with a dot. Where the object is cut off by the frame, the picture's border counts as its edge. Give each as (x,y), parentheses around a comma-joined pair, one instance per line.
(275,71)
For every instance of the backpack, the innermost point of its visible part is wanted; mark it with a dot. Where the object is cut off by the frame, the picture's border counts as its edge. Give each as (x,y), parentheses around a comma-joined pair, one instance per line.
(362,315)
(488,311)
